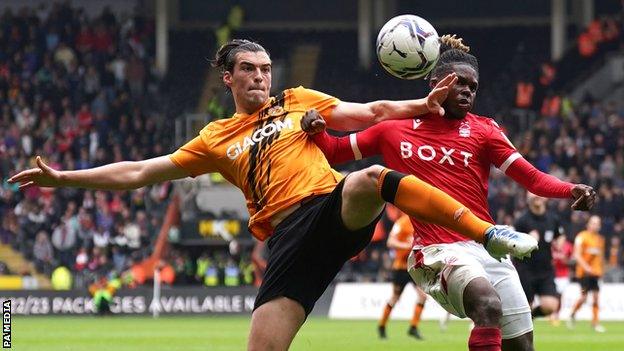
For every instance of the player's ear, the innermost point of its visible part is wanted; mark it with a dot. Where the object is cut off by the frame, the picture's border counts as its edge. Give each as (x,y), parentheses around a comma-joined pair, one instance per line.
(227,79)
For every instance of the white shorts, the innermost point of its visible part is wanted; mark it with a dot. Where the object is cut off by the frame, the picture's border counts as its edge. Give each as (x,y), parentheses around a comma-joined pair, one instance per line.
(444,270)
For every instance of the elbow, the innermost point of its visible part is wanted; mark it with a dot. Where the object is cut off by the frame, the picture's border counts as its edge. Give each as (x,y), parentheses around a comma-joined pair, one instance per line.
(380,111)
(136,178)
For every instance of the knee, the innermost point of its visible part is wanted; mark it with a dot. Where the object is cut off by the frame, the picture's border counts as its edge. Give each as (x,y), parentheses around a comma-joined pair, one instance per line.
(486,310)
(583,298)
(373,172)
(549,304)
(364,181)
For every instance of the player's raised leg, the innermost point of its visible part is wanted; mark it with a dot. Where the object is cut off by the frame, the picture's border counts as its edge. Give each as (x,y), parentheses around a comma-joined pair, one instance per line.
(365,192)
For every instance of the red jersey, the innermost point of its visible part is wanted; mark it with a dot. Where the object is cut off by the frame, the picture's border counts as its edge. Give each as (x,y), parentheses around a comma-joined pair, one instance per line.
(452,155)
(561,256)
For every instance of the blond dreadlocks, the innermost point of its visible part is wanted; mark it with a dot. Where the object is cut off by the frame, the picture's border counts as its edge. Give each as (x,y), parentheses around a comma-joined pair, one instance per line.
(453,51)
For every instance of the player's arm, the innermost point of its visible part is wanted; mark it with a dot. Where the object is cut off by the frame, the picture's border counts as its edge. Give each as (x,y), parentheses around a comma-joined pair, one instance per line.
(349,116)
(123,175)
(393,241)
(337,150)
(505,156)
(543,184)
(578,255)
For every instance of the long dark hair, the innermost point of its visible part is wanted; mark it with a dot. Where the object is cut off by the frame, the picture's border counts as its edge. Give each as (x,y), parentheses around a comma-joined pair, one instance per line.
(225,58)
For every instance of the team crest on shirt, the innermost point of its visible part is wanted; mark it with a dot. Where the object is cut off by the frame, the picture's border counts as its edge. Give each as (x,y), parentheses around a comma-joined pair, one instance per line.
(276,111)
(464,129)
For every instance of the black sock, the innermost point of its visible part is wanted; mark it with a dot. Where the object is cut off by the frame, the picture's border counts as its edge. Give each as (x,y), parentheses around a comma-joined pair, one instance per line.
(390,185)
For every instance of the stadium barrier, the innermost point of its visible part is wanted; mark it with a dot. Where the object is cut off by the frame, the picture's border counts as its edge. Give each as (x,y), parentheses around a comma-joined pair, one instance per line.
(177,300)
(191,300)
(367,300)
(342,301)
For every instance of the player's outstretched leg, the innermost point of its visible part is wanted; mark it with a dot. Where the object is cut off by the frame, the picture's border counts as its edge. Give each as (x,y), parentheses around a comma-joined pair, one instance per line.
(362,202)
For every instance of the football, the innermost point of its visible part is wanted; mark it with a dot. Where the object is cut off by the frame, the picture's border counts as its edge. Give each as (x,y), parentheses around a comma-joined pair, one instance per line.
(408,47)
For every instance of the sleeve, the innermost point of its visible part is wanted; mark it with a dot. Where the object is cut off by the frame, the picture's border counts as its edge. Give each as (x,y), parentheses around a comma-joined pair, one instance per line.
(500,150)
(354,146)
(538,182)
(505,157)
(312,99)
(195,156)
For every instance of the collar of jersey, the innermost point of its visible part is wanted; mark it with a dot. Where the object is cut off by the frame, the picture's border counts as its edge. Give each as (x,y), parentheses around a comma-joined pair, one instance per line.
(246,115)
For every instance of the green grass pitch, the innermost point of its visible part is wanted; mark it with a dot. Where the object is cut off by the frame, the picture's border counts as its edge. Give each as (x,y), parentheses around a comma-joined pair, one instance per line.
(230,333)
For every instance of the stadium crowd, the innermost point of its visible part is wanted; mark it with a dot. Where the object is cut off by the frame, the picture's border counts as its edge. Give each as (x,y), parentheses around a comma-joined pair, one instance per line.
(85,92)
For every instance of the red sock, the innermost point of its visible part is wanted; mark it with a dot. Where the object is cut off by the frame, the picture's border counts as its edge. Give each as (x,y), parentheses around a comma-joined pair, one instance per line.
(485,339)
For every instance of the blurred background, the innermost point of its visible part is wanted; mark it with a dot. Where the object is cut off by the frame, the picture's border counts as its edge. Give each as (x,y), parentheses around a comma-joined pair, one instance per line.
(86,83)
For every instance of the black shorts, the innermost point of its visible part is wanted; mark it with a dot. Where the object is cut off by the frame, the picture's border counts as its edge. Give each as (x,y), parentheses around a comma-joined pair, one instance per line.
(589,284)
(540,285)
(308,248)
(400,278)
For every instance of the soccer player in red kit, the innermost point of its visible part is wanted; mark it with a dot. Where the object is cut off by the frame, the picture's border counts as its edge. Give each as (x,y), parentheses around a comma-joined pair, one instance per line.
(454,152)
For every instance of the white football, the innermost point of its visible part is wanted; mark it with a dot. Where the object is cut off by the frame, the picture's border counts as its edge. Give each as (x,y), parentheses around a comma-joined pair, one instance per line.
(408,47)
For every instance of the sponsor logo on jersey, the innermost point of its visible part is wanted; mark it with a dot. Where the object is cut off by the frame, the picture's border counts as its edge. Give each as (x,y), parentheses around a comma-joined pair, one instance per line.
(440,155)
(236,149)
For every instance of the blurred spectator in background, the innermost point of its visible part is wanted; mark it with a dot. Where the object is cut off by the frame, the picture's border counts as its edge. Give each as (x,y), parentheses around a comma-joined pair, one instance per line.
(42,252)
(614,272)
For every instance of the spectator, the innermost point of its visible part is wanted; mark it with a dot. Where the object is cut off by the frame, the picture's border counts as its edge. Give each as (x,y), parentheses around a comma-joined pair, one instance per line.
(42,252)
(82,258)
(614,272)
(64,236)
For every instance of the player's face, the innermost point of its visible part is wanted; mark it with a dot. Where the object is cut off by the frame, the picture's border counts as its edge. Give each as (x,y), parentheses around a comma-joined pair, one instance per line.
(462,95)
(594,224)
(250,80)
(537,204)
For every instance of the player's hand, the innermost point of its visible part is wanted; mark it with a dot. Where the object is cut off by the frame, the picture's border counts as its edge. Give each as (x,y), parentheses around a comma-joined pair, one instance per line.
(585,197)
(312,122)
(437,96)
(42,175)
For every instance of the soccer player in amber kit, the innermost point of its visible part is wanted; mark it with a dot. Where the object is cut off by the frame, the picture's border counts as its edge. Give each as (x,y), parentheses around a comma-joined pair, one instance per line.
(400,240)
